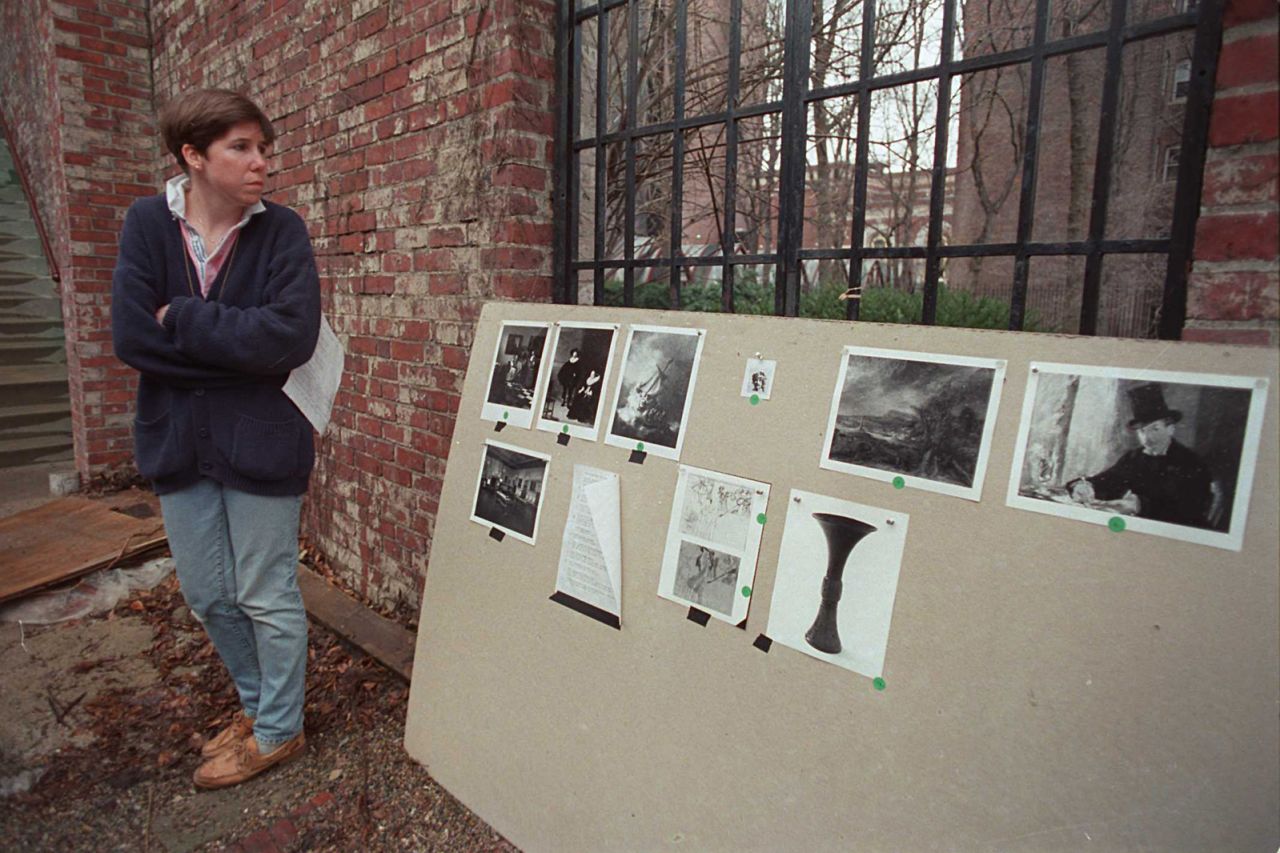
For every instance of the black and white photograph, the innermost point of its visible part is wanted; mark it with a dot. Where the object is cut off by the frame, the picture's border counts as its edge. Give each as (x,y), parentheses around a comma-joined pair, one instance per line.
(515,373)
(581,359)
(1159,452)
(836,581)
(713,542)
(706,577)
(509,492)
(924,417)
(757,379)
(655,389)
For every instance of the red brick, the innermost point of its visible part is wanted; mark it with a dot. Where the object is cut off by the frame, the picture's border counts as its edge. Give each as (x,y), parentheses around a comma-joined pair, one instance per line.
(1242,236)
(1236,337)
(1246,11)
(1241,180)
(1233,295)
(1242,119)
(1249,62)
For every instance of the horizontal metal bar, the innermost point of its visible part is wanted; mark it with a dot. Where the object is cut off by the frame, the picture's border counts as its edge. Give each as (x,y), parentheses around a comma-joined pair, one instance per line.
(1061,47)
(985,250)
(667,263)
(668,127)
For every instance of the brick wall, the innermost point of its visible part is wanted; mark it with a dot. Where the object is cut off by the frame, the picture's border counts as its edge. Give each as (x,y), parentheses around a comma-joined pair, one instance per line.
(77,104)
(415,138)
(1234,287)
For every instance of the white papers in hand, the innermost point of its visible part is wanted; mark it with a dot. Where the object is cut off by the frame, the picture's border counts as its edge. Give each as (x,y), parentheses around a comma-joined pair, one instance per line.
(591,550)
(313,386)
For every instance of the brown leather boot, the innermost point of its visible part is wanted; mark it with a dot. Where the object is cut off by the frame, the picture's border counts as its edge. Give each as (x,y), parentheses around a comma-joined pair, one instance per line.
(244,761)
(241,727)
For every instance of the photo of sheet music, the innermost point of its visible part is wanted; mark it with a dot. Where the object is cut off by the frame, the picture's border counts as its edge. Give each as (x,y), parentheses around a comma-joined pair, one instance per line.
(590,568)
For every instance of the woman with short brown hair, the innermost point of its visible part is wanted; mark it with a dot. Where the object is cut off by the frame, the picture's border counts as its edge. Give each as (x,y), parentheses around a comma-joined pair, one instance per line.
(215,299)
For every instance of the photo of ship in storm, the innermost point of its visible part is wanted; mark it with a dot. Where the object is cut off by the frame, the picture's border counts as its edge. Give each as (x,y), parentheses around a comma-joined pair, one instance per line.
(926,418)
(651,405)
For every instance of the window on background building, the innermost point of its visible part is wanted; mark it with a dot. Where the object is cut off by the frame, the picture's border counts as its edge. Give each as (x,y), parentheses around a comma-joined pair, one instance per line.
(1169,170)
(844,143)
(1181,80)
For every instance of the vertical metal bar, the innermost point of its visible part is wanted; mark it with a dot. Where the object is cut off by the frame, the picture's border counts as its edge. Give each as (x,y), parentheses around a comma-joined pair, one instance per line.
(938,189)
(728,237)
(677,152)
(564,228)
(628,124)
(791,192)
(1195,141)
(1030,170)
(862,158)
(1102,171)
(602,112)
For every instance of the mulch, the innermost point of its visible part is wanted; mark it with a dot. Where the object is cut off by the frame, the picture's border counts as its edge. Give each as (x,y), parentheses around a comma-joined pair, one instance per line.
(354,788)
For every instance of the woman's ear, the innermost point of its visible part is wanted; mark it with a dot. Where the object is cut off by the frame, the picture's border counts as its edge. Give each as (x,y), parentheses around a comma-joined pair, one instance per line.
(194,159)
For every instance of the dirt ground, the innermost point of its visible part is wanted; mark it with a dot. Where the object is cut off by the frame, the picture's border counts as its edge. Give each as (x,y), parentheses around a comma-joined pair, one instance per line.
(110,712)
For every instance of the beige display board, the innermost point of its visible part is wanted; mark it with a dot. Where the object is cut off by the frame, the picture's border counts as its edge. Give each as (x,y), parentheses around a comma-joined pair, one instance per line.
(1049,684)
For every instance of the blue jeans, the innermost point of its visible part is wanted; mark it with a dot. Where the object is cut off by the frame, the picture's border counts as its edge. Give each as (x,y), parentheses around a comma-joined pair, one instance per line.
(237,563)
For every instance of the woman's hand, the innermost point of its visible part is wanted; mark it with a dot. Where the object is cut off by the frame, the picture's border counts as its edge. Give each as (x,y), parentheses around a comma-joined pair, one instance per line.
(160,312)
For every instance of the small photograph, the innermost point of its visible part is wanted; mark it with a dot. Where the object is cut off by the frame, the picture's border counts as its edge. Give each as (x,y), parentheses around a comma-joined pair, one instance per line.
(581,359)
(1158,452)
(713,542)
(757,379)
(655,389)
(924,417)
(509,493)
(515,373)
(706,577)
(837,580)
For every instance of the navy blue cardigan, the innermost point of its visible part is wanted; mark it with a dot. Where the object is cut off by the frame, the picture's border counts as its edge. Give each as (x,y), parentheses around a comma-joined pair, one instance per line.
(209,398)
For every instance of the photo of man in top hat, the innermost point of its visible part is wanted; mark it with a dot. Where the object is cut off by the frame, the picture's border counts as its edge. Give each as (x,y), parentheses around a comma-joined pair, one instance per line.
(1159,452)
(1160,479)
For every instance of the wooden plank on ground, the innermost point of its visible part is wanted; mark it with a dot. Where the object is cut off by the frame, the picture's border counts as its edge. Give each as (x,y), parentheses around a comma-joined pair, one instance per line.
(379,637)
(65,539)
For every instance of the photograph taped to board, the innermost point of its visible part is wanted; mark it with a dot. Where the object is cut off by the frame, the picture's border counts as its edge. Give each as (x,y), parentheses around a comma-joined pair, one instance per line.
(757,379)
(516,373)
(573,393)
(836,581)
(654,392)
(509,490)
(713,542)
(924,417)
(1160,452)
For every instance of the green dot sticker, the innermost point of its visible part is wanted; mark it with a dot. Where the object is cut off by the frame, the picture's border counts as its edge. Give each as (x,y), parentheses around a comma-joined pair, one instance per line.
(878,683)
(564,428)
(746,592)
(899,483)
(506,415)
(755,399)
(760,519)
(1116,524)
(640,446)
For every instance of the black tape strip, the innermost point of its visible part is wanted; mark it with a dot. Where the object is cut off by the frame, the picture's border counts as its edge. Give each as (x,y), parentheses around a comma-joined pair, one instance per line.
(637,456)
(699,616)
(763,643)
(563,438)
(741,626)
(496,534)
(590,610)
(499,426)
